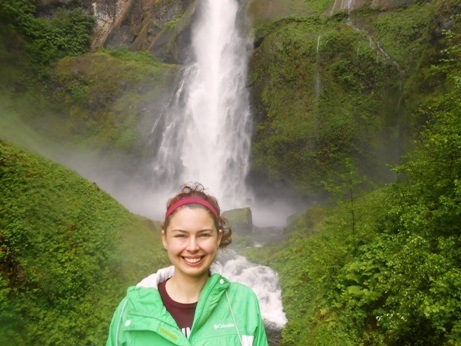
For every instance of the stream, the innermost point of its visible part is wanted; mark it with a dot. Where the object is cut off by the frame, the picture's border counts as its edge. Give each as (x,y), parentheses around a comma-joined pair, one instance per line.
(265,283)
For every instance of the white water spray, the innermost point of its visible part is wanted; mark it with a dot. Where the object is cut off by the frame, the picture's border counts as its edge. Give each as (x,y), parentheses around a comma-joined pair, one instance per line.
(264,282)
(341,5)
(205,132)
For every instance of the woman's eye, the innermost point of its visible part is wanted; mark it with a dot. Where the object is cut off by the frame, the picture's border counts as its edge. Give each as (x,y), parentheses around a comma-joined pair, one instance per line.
(205,235)
(179,236)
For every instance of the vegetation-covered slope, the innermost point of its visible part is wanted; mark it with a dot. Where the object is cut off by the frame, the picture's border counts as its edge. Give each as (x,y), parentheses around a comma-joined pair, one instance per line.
(106,97)
(97,101)
(383,267)
(68,252)
(330,87)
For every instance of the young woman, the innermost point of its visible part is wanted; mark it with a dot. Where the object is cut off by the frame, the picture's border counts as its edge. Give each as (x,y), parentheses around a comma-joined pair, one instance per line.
(188,303)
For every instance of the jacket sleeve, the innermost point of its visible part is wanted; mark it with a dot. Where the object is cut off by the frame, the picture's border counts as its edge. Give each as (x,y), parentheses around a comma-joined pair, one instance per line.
(246,303)
(260,337)
(114,338)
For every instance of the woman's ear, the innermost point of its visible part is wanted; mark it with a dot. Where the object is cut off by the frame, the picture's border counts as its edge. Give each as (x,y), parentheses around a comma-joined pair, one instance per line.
(220,233)
(165,244)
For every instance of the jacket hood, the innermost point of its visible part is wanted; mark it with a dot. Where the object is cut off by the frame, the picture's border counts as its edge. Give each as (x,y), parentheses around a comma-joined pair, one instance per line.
(161,275)
(153,280)
(145,297)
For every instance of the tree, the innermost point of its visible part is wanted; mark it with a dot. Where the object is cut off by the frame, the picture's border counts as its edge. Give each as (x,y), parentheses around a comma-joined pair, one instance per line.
(345,190)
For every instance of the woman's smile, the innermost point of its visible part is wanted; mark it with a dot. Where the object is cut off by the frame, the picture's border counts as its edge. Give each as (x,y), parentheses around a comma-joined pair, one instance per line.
(192,260)
(191,241)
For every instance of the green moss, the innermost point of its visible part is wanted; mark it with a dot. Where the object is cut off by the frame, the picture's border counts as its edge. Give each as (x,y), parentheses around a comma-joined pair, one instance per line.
(338,91)
(404,33)
(99,99)
(261,11)
(68,252)
(143,58)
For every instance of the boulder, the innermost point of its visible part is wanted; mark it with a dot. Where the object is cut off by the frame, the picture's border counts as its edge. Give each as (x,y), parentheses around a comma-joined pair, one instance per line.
(240,220)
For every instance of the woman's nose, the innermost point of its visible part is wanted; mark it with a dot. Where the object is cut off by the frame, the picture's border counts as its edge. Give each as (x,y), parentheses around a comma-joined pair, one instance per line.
(192,245)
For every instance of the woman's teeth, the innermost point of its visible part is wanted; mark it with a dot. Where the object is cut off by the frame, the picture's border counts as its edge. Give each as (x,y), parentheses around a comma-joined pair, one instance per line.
(192,260)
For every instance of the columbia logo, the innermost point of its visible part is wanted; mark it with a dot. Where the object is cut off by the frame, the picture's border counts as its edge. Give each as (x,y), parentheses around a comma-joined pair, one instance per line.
(223,326)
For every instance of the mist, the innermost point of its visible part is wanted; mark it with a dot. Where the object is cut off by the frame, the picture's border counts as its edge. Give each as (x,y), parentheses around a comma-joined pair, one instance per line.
(128,181)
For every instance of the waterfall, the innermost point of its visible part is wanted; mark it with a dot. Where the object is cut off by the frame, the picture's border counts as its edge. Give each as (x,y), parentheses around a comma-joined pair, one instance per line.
(341,5)
(318,79)
(264,282)
(204,133)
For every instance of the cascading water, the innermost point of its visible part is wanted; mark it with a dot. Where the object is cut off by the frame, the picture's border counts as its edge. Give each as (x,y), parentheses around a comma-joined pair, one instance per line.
(205,130)
(341,5)
(264,282)
(204,134)
(318,82)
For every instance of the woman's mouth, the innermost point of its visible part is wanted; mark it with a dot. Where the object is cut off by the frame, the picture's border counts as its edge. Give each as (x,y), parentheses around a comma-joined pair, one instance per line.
(192,260)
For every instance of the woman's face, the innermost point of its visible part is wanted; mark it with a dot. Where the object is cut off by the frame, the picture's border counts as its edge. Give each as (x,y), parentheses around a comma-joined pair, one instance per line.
(191,241)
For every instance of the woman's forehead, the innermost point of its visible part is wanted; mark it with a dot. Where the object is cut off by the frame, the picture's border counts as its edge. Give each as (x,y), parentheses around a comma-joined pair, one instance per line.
(186,218)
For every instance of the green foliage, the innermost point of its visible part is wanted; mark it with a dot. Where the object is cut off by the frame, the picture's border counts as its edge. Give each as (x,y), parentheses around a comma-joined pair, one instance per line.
(345,190)
(68,252)
(67,33)
(434,66)
(98,100)
(320,243)
(339,105)
(393,278)
(20,15)
(404,33)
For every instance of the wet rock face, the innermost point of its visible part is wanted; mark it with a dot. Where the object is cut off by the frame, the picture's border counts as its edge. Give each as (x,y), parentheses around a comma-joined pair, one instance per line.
(163,26)
(160,26)
(261,11)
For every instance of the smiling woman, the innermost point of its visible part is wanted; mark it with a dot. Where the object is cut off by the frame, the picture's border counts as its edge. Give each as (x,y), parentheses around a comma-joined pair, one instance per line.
(188,303)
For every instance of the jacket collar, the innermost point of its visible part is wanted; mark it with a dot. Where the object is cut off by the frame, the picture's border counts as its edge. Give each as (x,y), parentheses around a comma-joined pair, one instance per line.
(147,311)
(209,297)
(161,275)
(153,280)
(145,302)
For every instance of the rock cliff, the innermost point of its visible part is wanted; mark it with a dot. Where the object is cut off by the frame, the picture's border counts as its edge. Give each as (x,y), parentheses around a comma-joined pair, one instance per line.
(163,26)
(159,26)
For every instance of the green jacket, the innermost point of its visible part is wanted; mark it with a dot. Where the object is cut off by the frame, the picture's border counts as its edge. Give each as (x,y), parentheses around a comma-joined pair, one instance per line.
(227,313)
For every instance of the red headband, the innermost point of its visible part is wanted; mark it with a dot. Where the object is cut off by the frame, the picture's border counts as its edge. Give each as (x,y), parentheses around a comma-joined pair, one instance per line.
(191,200)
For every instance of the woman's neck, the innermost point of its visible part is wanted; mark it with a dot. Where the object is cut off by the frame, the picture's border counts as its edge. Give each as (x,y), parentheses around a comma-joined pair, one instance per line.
(184,289)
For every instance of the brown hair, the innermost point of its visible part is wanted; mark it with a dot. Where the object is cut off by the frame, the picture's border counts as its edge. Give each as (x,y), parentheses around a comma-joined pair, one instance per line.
(198,191)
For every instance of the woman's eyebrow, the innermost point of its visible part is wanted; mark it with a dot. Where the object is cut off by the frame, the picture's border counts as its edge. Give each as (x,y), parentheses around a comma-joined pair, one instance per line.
(179,230)
(199,231)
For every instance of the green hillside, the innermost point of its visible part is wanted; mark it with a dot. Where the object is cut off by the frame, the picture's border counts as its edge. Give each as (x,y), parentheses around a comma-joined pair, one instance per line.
(349,78)
(68,252)
(381,266)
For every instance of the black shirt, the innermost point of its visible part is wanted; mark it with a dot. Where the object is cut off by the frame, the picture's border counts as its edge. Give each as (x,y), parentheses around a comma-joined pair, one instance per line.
(183,314)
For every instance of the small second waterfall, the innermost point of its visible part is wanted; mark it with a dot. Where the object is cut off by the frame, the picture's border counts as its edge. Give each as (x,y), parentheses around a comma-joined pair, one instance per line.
(204,133)
(265,283)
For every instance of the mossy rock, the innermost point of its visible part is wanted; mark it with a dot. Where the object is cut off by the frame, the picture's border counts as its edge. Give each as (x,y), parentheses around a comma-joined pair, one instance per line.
(240,220)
